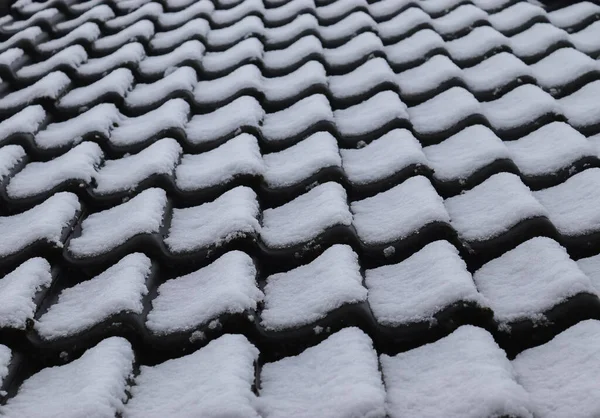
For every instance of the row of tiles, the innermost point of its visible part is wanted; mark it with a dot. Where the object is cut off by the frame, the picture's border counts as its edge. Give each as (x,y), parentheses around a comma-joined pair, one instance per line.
(464,374)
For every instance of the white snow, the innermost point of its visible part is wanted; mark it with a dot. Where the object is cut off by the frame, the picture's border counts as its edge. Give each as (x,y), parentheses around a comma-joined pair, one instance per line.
(236,157)
(45,222)
(427,282)
(217,90)
(248,49)
(298,162)
(89,31)
(402,23)
(530,279)
(515,16)
(549,149)
(476,43)
(5,358)
(464,375)
(173,38)
(443,111)
(536,39)
(308,293)
(227,16)
(141,30)
(587,40)
(428,76)
(105,230)
(92,385)
(78,164)
(72,56)
(573,14)
(27,121)
(581,107)
(572,205)
(371,114)
(306,217)
(157,65)
(243,112)
(286,10)
(355,49)
(99,119)
(296,118)
(10,156)
(51,86)
(363,79)
(100,13)
(463,17)
(399,212)
(465,152)
(20,24)
(29,34)
(129,53)
(561,376)
(119,82)
(222,37)
(387,8)
(17,291)
(118,289)
(337,378)
(308,75)
(10,55)
(278,59)
(492,207)
(334,10)
(495,72)
(168,21)
(230,216)
(302,24)
(591,267)
(182,79)
(148,11)
(173,114)
(436,7)
(561,67)
(347,27)
(227,286)
(128,172)
(383,157)
(188,386)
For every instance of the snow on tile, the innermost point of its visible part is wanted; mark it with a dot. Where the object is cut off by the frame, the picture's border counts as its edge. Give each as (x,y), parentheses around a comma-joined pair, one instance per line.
(182,79)
(308,293)
(492,207)
(561,375)
(246,77)
(188,383)
(297,118)
(443,111)
(248,50)
(10,156)
(83,6)
(30,34)
(157,65)
(177,4)
(118,82)
(227,286)
(371,114)
(337,378)
(430,280)
(402,23)
(141,31)
(399,212)
(279,59)
(428,76)
(100,13)
(385,9)
(363,79)
(128,172)
(88,31)
(312,74)
(587,40)
(239,156)
(591,267)
(464,375)
(383,157)
(572,205)
(462,154)
(118,289)
(495,72)
(561,67)
(11,55)
(93,385)
(581,107)
(536,39)
(106,230)
(232,215)
(128,6)
(225,17)
(354,50)
(27,121)
(550,148)
(28,7)
(302,24)
(149,10)
(306,217)
(20,24)
(242,29)
(292,165)
(241,113)
(79,164)
(337,9)
(171,115)
(515,16)
(529,280)
(519,107)
(99,119)
(459,19)
(72,56)
(17,291)
(280,14)
(173,38)
(571,15)
(44,222)
(347,27)
(476,43)
(492,5)
(436,7)
(49,87)
(131,53)
(202,8)
(5,359)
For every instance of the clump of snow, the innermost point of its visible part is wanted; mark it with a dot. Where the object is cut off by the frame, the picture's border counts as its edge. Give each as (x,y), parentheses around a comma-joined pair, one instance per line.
(172,20)
(10,156)
(131,53)
(171,39)
(279,59)
(476,43)
(536,39)
(182,79)
(591,267)
(245,77)
(428,76)
(249,49)
(354,50)
(141,30)
(580,107)
(363,79)
(51,86)
(312,74)
(414,47)
(495,72)
(89,31)
(27,121)
(72,56)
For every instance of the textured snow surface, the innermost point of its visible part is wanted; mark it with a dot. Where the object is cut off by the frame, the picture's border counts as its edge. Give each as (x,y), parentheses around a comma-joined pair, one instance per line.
(92,385)
(5,358)
(26,121)
(307,293)
(337,378)
(464,375)
(228,285)
(10,156)
(118,289)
